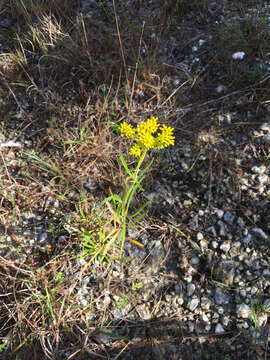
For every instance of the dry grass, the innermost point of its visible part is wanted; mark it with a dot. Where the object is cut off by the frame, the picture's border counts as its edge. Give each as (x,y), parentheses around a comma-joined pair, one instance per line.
(80,79)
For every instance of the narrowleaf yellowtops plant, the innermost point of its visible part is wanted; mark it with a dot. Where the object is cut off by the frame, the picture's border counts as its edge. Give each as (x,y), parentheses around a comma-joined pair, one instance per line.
(148,135)
(143,134)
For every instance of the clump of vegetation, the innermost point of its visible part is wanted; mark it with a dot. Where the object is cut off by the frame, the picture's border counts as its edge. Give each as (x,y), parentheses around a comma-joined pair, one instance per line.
(112,231)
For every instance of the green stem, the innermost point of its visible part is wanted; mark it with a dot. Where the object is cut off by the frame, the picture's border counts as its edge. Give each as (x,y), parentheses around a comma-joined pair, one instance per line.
(131,187)
(139,164)
(129,193)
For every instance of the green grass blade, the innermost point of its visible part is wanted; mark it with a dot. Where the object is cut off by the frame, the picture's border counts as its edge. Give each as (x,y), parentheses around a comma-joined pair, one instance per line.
(122,238)
(139,218)
(139,210)
(125,165)
(113,197)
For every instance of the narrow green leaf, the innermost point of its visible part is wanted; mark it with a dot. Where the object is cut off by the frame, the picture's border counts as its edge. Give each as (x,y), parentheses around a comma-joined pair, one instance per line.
(125,165)
(109,245)
(139,210)
(113,197)
(139,218)
(19,84)
(122,238)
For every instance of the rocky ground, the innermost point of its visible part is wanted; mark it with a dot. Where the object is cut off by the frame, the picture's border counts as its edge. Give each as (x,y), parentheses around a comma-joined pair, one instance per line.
(199,288)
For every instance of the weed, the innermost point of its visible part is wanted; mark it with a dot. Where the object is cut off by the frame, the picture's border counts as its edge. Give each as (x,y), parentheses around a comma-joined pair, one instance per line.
(108,228)
(143,136)
(136,285)
(3,346)
(256,310)
(122,302)
(193,244)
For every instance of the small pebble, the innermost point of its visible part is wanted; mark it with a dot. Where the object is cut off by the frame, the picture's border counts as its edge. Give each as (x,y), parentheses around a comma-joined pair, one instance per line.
(258,169)
(214,244)
(193,304)
(243,311)
(225,246)
(266,304)
(229,218)
(221,297)
(219,213)
(265,127)
(220,89)
(219,329)
(223,229)
(239,55)
(190,289)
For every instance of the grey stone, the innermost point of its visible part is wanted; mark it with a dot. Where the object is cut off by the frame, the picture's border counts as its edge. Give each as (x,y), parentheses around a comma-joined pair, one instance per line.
(266,304)
(195,260)
(224,271)
(219,213)
(225,246)
(144,312)
(190,289)
(243,292)
(191,326)
(205,303)
(266,138)
(214,244)
(253,290)
(265,127)
(90,185)
(266,272)
(220,88)
(184,165)
(105,339)
(212,230)
(243,311)
(258,169)
(44,236)
(133,233)
(219,329)
(43,240)
(246,239)
(221,310)
(259,233)
(221,298)
(193,304)
(223,229)
(229,218)
(263,179)
(5,23)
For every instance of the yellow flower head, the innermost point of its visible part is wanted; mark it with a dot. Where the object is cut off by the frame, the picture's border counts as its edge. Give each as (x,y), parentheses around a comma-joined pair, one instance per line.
(143,134)
(151,125)
(135,150)
(127,130)
(165,138)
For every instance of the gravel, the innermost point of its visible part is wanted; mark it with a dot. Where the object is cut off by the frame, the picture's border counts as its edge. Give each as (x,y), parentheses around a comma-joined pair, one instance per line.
(213,188)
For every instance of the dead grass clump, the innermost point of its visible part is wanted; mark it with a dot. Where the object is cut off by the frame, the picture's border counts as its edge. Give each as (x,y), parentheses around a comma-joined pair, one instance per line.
(39,309)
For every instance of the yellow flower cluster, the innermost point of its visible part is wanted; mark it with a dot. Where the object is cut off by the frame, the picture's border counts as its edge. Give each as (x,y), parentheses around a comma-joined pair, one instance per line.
(143,134)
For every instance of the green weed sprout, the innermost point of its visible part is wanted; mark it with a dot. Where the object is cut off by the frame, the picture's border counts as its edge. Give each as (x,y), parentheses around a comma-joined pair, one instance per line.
(148,135)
